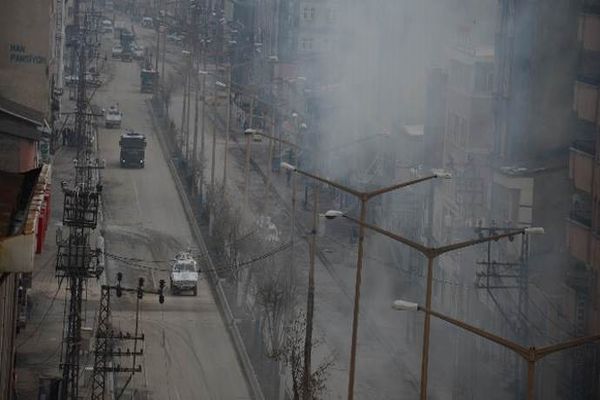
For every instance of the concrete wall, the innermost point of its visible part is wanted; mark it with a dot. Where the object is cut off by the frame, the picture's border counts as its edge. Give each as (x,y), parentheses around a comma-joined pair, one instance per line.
(25,52)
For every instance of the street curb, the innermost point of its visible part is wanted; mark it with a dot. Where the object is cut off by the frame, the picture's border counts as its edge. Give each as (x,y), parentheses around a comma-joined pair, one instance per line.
(215,284)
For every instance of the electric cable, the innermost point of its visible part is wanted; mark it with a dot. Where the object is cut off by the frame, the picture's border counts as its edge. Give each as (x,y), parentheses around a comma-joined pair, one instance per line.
(39,325)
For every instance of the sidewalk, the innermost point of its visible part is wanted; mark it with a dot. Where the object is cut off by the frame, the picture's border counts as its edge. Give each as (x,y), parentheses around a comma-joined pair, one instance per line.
(40,344)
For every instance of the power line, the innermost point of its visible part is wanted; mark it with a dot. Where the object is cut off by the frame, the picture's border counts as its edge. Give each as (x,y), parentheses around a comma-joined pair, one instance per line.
(246,263)
(44,315)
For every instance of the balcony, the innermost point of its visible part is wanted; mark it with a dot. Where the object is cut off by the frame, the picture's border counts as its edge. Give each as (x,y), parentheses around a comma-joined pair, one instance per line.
(589,29)
(585,99)
(583,244)
(581,163)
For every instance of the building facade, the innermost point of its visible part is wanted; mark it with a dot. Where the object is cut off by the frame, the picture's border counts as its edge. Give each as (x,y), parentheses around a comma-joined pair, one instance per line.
(583,222)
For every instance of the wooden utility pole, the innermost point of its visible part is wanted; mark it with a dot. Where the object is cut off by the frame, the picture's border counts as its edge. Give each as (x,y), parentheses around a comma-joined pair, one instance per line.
(227,126)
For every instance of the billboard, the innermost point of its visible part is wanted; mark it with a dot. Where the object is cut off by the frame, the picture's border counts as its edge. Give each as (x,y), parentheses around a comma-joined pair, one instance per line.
(25,52)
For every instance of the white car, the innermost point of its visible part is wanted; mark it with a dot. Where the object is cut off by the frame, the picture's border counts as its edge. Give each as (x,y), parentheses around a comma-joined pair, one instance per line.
(113,117)
(138,52)
(174,37)
(71,80)
(107,26)
(147,22)
(117,51)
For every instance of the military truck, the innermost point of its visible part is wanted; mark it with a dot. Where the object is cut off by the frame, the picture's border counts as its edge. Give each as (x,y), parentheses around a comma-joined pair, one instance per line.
(133,149)
(184,273)
(149,79)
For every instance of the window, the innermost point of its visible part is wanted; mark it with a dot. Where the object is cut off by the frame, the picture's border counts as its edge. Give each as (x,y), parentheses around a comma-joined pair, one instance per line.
(457,129)
(307,43)
(585,101)
(309,13)
(330,14)
(484,77)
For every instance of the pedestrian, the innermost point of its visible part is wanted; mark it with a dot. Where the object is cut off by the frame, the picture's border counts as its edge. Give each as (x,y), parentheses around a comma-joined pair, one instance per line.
(64,136)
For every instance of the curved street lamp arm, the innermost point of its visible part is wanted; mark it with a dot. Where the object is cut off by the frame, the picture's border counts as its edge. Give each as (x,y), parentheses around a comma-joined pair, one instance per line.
(331,183)
(544,351)
(426,251)
(522,351)
(381,191)
(278,140)
(457,246)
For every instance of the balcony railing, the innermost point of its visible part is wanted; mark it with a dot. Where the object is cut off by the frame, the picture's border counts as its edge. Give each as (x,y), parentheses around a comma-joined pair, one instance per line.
(586,98)
(578,238)
(586,146)
(581,164)
(582,217)
(591,7)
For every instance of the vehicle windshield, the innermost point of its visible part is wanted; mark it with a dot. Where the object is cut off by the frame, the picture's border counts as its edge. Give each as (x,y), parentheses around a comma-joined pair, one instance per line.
(184,267)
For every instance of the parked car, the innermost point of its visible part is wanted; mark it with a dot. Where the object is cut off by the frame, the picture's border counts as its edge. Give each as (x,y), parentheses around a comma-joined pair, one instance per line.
(92,80)
(175,37)
(127,55)
(138,52)
(147,22)
(71,80)
(107,26)
(117,51)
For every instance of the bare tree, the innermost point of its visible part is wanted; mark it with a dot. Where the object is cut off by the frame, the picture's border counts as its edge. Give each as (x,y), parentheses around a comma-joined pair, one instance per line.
(169,85)
(292,353)
(271,297)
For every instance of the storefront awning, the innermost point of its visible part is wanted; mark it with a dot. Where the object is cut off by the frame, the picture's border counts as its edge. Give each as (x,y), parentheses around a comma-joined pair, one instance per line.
(21,203)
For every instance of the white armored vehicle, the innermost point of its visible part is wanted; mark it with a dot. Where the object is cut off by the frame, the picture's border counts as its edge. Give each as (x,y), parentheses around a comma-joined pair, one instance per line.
(113,117)
(184,273)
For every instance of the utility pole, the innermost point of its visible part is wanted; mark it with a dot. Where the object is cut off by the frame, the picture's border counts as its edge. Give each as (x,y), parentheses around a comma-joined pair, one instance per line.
(105,336)
(310,300)
(80,215)
(158,31)
(203,98)
(227,125)
(196,63)
(507,275)
(188,154)
(183,111)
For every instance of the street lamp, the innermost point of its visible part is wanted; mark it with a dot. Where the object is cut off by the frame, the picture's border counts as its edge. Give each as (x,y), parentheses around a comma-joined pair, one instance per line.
(431,253)
(364,198)
(530,354)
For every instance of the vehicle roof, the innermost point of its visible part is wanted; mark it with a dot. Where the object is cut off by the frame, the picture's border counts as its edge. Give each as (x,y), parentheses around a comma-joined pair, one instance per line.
(133,135)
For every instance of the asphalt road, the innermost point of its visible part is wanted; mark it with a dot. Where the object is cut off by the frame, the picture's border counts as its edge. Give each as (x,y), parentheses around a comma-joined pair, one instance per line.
(188,353)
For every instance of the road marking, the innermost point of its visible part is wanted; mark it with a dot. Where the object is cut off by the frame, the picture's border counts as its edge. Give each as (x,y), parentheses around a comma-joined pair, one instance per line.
(137,197)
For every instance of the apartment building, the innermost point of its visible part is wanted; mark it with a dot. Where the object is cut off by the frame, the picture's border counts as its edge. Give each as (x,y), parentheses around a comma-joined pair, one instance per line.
(467,143)
(583,222)
(28,71)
